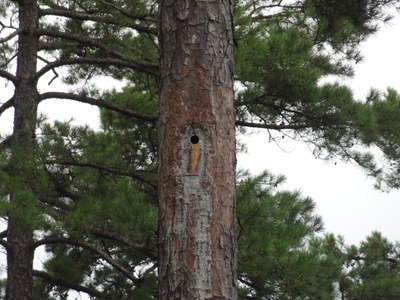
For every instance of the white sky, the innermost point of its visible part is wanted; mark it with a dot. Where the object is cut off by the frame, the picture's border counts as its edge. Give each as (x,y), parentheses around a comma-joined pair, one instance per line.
(345,197)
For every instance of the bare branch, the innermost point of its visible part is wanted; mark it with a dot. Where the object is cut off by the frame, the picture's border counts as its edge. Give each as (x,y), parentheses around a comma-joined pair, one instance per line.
(7,62)
(5,244)
(8,76)
(10,36)
(6,105)
(11,20)
(54,71)
(100,103)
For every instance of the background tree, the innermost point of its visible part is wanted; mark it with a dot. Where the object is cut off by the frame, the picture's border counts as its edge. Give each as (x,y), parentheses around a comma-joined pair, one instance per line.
(368,271)
(47,189)
(275,261)
(292,51)
(90,196)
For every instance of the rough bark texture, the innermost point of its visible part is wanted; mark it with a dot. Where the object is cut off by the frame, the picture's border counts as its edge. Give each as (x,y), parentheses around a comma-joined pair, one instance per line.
(19,233)
(197,241)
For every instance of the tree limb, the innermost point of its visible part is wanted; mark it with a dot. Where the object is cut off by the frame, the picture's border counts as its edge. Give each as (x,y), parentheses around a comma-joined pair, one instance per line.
(100,103)
(390,260)
(102,254)
(76,287)
(100,167)
(273,126)
(125,11)
(80,15)
(142,246)
(149,69)
(10,36)
(8,76)
(142,67)
(6,142)
(6,105)
(7,61)
(53,202)
(4,243)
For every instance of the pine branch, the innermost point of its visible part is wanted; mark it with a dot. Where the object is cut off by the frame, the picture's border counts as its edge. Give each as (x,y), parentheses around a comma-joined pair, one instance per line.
(248,283)
(97,43)
(76,287)
(6,105)
(127,12)
(142,246)
(262,100)
(7,62)
(100,103)
(149,69)
(10,36)
(55,45)
(61,189)
(390,260)
(101,253)
(100,167)
(80,15)
(6,142)
(274,126)
(273,10)
(4,243)
(52,202)
(8,76)
(73,195)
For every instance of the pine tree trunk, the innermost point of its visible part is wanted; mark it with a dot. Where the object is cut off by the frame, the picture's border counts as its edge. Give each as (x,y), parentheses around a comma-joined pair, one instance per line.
(19,232)
(197,241)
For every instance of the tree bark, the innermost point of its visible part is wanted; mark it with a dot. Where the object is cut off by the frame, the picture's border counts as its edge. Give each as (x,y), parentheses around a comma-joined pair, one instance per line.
(197,240)
(20,232)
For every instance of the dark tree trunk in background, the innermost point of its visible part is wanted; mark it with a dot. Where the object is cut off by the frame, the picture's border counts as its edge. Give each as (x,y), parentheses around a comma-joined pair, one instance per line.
(20,232)
(197,241)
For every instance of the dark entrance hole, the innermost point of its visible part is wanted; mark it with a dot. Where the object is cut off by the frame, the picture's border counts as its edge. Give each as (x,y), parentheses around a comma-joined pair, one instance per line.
(194,139)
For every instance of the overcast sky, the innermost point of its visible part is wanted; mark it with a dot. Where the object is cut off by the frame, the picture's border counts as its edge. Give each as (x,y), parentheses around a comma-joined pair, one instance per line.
(345,197)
